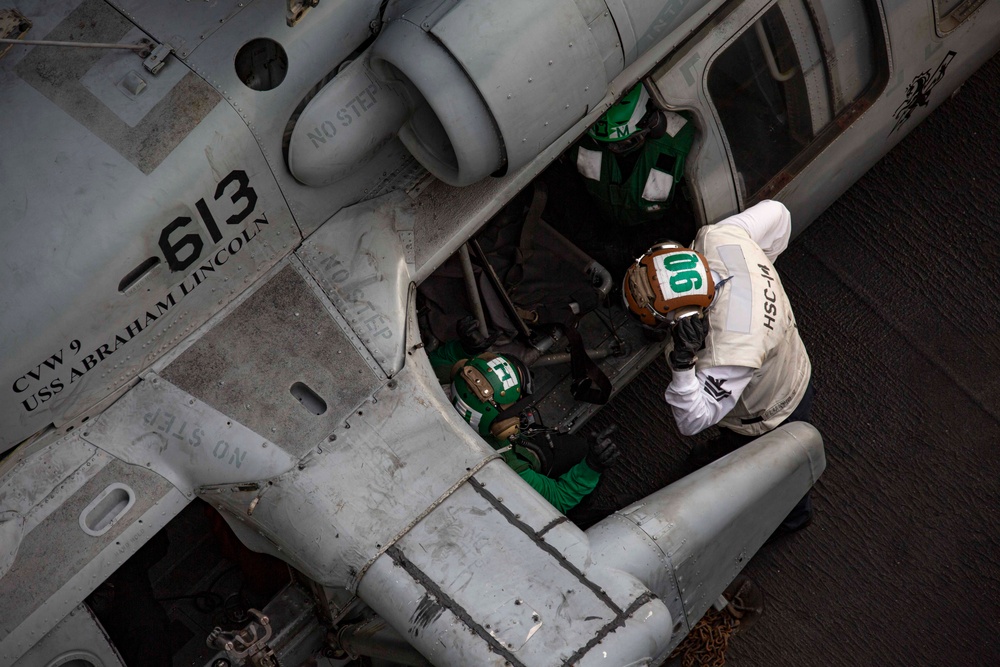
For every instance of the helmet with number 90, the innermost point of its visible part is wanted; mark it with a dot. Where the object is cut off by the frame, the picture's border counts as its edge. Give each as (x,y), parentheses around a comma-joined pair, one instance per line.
(482,388)
(667,282)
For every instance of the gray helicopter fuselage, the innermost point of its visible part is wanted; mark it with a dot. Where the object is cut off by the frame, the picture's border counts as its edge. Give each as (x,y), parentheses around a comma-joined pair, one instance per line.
(209,277)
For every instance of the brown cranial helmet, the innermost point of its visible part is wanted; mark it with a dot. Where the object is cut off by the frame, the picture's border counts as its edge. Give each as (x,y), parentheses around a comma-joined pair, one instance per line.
(667,282)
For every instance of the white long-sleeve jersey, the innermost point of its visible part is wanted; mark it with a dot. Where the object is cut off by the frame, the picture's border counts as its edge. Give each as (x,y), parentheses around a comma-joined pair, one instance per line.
(705,395)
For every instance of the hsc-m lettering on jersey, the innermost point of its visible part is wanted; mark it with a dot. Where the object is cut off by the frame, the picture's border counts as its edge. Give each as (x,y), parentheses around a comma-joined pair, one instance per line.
(770,297)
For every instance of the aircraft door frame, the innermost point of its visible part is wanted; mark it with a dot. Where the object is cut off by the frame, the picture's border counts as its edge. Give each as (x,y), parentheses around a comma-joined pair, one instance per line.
(678,84)
(824,109)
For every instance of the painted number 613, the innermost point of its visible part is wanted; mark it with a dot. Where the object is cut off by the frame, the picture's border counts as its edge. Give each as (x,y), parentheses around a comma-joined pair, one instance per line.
(185,251)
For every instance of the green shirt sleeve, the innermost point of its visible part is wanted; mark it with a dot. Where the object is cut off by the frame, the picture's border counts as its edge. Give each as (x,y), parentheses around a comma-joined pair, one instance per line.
(568,489)
(444,357)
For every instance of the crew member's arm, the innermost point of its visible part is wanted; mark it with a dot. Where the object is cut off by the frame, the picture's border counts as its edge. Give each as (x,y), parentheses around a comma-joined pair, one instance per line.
(565,491)
(769,225)
(700,399)
(444,357)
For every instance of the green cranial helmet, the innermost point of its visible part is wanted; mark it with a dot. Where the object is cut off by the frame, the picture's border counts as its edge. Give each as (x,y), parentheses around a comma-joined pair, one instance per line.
(622,120)
(483,387)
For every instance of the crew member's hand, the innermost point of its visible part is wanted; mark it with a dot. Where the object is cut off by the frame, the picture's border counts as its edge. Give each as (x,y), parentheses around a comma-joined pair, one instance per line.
(470,338)
(689,337)
(602,453)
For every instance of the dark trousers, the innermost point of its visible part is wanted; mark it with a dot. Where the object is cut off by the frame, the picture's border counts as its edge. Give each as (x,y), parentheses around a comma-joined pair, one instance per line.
(729,441)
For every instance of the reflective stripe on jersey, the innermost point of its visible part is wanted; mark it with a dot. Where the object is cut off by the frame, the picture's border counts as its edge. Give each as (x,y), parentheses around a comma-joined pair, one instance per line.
(740,309)
(588,163)
(675,122)
(658,186)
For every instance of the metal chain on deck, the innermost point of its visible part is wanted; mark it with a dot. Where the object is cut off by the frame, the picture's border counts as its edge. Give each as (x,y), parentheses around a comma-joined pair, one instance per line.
(706,644)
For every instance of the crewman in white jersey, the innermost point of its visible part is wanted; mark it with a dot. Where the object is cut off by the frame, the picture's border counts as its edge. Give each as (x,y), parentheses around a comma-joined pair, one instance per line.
(737,357)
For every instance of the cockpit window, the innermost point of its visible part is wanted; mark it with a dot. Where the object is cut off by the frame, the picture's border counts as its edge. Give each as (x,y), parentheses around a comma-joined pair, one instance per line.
(779,87)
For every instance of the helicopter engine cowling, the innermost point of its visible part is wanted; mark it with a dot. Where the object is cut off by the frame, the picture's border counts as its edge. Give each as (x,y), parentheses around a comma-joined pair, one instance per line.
(472,87)
(490,85)
(344,126)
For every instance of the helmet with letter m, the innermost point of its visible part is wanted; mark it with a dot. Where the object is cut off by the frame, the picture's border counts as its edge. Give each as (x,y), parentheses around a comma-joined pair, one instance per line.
(629,121)
(484,388)
(667,283)
(620,128)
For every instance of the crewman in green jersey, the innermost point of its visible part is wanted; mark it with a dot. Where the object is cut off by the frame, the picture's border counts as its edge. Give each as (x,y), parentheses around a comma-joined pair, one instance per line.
(633,157)
(484,387)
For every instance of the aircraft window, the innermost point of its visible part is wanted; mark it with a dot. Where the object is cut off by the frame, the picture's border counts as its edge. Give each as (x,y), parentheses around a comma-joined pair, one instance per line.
(782,82)
(949,14)
(945,7)
(261,64)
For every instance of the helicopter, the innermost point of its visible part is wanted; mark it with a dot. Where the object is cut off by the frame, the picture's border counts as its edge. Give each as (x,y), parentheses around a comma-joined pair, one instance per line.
(222,440)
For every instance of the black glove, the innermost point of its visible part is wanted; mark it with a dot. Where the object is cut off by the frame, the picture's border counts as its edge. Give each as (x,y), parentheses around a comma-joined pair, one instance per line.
(469,337)
(602,453)
(689,337)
